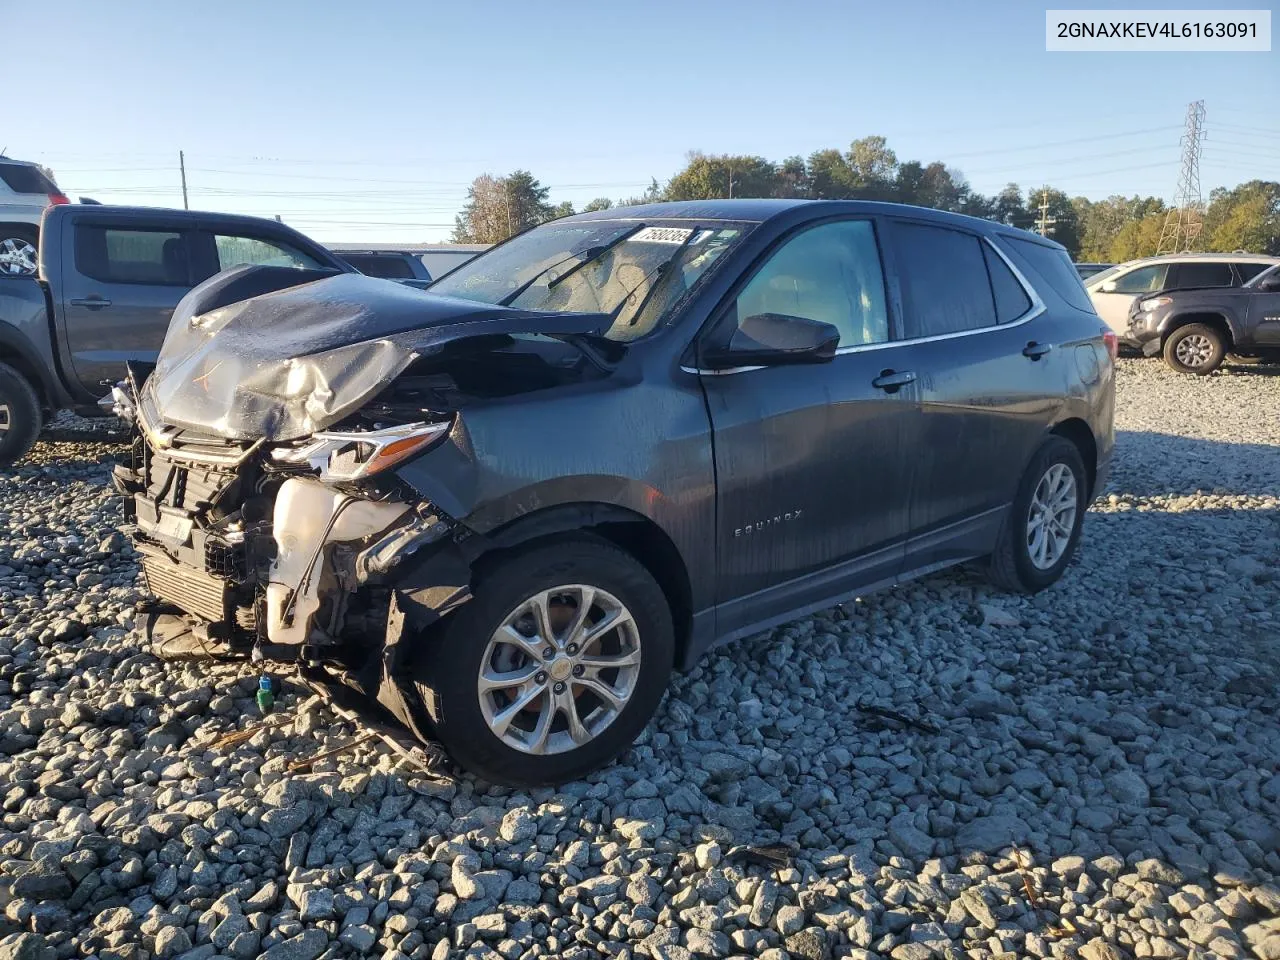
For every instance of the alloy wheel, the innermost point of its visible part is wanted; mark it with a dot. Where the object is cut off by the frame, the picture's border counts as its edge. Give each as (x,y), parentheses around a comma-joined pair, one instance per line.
(1194,350)
(1051,517)
(559,669)
(17,257)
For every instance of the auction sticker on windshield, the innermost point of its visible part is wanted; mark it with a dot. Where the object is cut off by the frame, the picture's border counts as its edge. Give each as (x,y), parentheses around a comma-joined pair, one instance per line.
(661,235)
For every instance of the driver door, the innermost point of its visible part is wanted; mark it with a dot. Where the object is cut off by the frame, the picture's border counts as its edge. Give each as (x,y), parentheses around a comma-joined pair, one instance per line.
(813,473)
(1264,311)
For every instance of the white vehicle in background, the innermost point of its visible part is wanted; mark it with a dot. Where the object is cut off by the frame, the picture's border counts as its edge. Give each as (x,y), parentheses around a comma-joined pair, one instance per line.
(1113,290)
(25,191)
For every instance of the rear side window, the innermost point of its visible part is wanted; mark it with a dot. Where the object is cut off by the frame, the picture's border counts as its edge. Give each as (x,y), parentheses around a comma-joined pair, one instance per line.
(1200,275)
(21,178)
(1250,270)
(1053,266)
(944,281)
(239,251)
(126,255)
(1011,299)
(389,268)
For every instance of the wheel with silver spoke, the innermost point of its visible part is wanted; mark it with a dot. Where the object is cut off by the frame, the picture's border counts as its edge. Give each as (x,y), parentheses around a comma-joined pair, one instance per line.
(18,251)
(1042,527)
(20,415)
(553,667)
(559,669)
(1196,348)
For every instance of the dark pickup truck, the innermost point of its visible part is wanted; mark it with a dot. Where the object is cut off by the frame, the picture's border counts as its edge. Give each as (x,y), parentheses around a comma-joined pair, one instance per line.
(1196,329)
(109,280)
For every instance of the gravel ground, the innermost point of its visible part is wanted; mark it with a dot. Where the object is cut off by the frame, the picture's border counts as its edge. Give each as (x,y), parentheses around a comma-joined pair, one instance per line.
(1096,776)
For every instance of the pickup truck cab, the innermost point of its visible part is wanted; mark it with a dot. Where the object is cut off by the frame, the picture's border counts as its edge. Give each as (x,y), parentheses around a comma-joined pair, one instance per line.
(109,279)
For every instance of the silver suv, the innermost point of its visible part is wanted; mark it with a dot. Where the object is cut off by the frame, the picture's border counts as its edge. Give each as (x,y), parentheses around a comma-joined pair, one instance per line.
(25,191)
(1114,290)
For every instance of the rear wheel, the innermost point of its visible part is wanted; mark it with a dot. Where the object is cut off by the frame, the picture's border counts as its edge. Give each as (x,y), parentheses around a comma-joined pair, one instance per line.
(1196,348)
(18,250)
(1042,528)
(20,418)
(554,666)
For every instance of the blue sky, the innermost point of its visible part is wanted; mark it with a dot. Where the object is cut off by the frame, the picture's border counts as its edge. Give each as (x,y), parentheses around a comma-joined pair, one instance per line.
(365,122)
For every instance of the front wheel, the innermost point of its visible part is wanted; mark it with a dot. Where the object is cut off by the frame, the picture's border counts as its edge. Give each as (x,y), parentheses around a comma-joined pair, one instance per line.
(1196,348)
(554,666)
(18,250)
(1042,528)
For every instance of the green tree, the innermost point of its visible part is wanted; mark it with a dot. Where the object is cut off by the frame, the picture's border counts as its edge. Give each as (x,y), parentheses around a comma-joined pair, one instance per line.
(652,194)
(705,177)
(874,167)
(1066,223)
(599,203)
(1137,238)
(793,178)
(1007,207)
(1246,218)
(500,207)
(830,176)
(564,209)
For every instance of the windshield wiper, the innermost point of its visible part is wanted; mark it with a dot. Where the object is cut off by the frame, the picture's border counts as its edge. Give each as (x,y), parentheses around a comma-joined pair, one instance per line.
(588,255)
(661,268)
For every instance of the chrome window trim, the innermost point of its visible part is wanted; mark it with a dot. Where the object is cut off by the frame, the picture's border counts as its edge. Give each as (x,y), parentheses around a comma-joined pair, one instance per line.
(1036,309)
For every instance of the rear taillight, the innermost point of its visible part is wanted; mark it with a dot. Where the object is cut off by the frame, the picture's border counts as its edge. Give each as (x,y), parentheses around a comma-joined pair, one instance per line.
(1113,343)
(56,198)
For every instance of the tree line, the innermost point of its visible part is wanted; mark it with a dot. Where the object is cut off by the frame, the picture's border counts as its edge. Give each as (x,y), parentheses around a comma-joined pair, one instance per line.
(1246,217)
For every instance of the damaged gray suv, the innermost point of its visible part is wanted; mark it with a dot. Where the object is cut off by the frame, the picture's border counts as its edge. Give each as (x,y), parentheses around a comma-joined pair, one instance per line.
(505,508)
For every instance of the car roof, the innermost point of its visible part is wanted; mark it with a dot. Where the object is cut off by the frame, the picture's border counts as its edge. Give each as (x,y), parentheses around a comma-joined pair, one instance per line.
(171,212)
(761,210)
(1229,257)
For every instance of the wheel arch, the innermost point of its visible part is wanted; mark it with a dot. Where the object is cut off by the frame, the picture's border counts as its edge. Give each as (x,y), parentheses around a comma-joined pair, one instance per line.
(1210,318)
(13,355)
(632,532)
(1078,432)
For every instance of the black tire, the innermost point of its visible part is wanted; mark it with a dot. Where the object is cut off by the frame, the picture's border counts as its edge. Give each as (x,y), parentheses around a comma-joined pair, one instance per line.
(14,235)
(1181,356)
(1010,566)
(448,667)
(20,417)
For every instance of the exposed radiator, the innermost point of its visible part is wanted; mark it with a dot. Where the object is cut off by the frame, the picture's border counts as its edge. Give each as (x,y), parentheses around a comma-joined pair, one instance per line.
(185,587)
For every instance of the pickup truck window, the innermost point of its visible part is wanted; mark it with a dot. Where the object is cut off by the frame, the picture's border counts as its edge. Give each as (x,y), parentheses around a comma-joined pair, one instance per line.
(389,268)
(239,251)
(131,255)
(1250,270)
(1200,275)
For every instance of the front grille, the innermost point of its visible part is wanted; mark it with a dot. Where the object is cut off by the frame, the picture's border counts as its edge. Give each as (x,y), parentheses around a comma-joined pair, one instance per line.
(185,587)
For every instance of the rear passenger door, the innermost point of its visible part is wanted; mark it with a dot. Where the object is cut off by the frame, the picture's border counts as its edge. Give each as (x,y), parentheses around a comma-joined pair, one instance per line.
(118,293)
(987,381)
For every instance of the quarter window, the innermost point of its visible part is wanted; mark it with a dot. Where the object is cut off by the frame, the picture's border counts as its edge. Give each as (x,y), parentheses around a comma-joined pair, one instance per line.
(830,273)
(1142,280)
(118,255)
(239,251)
(1011,299)
(944,281)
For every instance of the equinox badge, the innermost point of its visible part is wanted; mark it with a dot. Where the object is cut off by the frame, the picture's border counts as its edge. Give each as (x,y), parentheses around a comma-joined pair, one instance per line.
(761,525)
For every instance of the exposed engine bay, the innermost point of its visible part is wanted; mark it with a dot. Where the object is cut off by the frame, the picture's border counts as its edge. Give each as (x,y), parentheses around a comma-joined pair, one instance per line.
(269,520)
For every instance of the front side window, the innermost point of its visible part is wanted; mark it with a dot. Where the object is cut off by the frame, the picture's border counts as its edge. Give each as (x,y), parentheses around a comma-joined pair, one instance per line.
(829,273)
(236,251)
(1143,280)
(126,255)
(945,288)
(1201,275)
(636,271)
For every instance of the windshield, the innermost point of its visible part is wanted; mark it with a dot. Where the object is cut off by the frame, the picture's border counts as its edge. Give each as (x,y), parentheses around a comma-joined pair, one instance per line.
(635,270)
(1102,276)
(1263,277)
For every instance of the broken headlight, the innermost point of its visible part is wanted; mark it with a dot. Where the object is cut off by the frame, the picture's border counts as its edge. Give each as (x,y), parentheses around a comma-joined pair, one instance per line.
(341,455)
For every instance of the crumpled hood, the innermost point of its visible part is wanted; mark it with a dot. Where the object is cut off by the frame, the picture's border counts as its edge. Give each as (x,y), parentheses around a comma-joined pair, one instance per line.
(295,357)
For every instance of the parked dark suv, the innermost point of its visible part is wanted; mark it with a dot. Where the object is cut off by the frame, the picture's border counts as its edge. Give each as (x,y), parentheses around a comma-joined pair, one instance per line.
(507,507)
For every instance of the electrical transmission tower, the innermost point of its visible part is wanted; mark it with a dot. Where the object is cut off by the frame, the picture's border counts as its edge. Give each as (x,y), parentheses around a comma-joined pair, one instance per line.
(1182,223)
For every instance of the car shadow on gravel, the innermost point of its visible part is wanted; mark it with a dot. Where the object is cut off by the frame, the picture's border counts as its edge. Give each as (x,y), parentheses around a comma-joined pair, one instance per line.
(1148,464)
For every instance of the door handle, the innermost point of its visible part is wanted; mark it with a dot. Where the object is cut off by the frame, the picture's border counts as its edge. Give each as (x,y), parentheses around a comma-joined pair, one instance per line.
(93,303)
(1036,350)
(891,381)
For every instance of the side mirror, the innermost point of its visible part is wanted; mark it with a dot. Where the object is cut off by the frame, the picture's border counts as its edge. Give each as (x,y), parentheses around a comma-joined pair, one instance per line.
(1271,284)
(775,338)
(1108,286)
